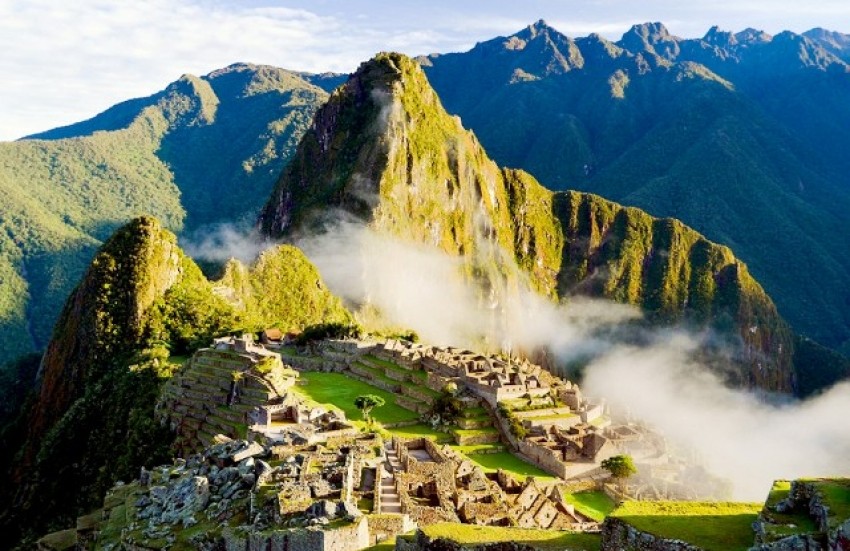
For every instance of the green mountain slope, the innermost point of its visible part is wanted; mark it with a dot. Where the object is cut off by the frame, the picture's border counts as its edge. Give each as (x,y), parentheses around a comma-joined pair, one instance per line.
(203,151)
(384,149)
(741,136)
(91,420)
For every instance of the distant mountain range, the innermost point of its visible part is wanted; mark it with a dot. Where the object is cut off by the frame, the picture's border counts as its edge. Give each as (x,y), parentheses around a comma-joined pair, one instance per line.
(742,136)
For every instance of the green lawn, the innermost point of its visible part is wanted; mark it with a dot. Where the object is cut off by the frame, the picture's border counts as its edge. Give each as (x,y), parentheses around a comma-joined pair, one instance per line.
(712,526)
(492,462)
(544,540)
(339,391)
(421,429)
(836,494)
(595,505)
(473,449)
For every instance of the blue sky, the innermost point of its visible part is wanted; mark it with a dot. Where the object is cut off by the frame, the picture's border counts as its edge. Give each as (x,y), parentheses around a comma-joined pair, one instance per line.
(66,61)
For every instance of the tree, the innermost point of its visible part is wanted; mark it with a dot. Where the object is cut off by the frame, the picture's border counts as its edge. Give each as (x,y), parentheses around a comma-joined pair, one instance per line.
(621,467)
(366,403)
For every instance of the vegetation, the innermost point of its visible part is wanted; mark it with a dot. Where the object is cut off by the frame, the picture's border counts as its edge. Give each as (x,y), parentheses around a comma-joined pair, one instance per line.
(283,289)
(506,461)
(203,151)
(447,406)
(620,466)
(690,136)
(141,309)
(594,505)
(93,421)
(366,403)
(323,331)
(542,540)
(713,526)
(836,496)
(339,391)
(785,524)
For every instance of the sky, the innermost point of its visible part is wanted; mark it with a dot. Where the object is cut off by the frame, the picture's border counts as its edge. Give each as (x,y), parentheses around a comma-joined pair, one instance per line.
(63,61)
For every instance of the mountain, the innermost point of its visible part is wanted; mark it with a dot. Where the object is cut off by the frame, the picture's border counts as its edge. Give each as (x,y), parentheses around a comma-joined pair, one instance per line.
(203,151)
(741,136)
(141,306)
(384,149)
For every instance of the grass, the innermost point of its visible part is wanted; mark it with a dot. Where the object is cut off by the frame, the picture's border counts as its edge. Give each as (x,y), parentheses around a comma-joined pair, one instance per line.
(177,360)
(419,430)
(785,524)
(836,495)
(492,462)
(475,432)
(339,391)
(544,540)
(714,526)
(594,505)
(387,545)
(479,449)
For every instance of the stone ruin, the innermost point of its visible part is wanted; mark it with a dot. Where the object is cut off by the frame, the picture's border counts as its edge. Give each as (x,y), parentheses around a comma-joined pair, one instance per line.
(436,484)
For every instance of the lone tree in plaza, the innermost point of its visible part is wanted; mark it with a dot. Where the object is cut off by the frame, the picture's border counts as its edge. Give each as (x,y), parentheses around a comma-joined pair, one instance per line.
(366,403)
(621,467)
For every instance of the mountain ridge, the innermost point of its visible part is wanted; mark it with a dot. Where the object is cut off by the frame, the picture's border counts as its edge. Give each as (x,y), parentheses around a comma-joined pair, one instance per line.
(639,119)
(174,155)
(383,149)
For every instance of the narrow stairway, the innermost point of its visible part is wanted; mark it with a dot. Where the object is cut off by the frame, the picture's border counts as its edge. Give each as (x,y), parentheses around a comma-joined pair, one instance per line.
(390,500)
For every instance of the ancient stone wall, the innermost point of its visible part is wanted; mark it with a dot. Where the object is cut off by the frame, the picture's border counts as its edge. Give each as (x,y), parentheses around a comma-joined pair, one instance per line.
(384,526)
(618,535)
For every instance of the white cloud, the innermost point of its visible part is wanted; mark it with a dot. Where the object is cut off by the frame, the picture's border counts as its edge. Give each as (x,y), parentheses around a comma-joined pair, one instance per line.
(65,61)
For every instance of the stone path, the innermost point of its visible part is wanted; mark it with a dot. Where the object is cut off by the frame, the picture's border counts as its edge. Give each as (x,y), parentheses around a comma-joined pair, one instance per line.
(390,500)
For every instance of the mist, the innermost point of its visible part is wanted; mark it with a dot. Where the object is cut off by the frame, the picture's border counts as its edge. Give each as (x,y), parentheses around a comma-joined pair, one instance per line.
(221,242)
(735,434)
(419,287)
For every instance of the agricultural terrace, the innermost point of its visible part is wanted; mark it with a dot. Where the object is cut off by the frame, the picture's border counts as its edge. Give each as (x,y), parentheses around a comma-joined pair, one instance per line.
(713,526)
(543,540)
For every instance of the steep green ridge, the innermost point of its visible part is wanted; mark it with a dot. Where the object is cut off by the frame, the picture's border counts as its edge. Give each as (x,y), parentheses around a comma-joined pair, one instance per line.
(741,136)
(384,149)
(203,151)
(281,289)
(92,421)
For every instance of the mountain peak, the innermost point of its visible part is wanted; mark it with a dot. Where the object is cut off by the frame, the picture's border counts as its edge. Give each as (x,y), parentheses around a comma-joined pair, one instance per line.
(539,27)
(753,36)
(653,38)
(716,37)
(652,32)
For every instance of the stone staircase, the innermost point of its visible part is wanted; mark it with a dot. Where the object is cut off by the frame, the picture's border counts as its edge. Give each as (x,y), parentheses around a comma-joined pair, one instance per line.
(390,500)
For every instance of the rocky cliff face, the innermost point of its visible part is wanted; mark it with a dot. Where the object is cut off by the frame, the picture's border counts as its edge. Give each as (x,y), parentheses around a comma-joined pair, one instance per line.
(384,150)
